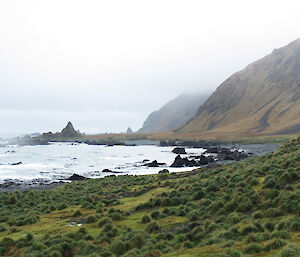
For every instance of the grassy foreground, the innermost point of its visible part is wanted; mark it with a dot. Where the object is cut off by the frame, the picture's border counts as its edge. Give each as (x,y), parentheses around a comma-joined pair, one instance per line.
(251,208)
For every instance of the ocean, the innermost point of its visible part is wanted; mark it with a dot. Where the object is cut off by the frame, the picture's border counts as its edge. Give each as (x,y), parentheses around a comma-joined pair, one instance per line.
(59,161)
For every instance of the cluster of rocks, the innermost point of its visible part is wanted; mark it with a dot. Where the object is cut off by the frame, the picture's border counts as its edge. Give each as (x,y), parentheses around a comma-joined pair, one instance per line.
(225,154)
(194,162)
(154,164)
(217,154)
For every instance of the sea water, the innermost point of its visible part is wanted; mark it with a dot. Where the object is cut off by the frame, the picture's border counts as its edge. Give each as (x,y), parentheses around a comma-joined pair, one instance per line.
(59,161)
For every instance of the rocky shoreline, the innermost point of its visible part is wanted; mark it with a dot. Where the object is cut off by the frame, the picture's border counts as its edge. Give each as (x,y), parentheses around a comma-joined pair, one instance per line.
(215,154)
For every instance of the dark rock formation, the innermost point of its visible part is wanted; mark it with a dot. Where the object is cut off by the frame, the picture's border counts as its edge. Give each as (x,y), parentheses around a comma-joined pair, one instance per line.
(154,164)
(179,150)
(69,131)
(129,130)
(76,177)
(184,162)
(164,171)
(110,171)
(16,163)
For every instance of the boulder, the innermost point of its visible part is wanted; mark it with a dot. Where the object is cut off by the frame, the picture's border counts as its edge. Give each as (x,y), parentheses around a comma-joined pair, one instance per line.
(110,171)
(16,163)
(164,171)
(76,177)
(107,171)
(154,164)
(178,162)
(179,150)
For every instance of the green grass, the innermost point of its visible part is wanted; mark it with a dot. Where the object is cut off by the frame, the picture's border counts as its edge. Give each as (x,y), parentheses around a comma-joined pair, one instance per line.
(250,208)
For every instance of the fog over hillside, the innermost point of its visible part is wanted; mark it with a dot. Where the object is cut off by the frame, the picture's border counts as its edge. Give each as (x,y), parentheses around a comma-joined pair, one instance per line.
(105,65)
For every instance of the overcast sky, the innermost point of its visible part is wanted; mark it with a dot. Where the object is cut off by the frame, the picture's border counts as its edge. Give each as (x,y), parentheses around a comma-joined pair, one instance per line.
(106,65)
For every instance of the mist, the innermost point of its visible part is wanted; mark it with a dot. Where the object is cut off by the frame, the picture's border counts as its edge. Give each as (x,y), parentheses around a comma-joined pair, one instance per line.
(105,65)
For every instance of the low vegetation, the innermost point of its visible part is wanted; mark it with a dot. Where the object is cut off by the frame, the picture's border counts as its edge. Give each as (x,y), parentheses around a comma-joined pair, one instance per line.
(250,208)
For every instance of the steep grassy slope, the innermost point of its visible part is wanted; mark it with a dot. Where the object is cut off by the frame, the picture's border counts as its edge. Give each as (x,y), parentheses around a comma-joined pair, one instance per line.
(264,98)
(174,114)
(251,208)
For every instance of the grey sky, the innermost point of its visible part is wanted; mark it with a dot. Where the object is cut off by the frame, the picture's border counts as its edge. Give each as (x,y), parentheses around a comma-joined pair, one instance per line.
(107,64)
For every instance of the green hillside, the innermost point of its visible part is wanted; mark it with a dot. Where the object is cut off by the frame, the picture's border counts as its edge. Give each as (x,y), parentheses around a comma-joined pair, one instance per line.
(250,208)
(262,99)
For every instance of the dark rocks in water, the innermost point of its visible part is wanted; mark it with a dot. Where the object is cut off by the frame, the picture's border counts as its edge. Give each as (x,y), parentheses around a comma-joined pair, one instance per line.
(130,144)
(16,163)
(232,156)
(203,160)
(179,162)
(216,150)
(8,184)
(110,171)
(107,171)
(197,161)
(76,177)
(154,164)
(146,160)
(183,162)
(164,171)
(179,150)
(212,150)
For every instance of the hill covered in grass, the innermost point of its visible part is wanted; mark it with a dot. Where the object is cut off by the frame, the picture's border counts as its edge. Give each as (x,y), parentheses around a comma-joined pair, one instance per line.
(250,208)
(262,99)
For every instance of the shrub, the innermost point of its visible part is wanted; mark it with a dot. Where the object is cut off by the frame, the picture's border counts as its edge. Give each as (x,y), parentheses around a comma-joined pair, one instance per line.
(91,219)
(155,215)
(118,247)
(257,215)
(152,228)
(290,251)
(146,219)
(295,226)
(62,206)
(137,241)
(115,216)
(249,229)
(273,212)
(77,213)
(3,228)
(269,226)
(275,244)
(252,248)
(55,253)
(281,234)
(198,195)
(38,246)
(104,221)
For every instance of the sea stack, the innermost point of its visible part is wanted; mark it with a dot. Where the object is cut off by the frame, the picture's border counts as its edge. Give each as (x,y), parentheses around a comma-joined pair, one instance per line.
(69,131)
(129,130)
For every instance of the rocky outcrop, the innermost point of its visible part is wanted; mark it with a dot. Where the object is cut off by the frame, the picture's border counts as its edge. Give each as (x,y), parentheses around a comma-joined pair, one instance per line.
(179,150)
(164,171)
(154,164)
(69,131)
(76,177)
(129,130)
